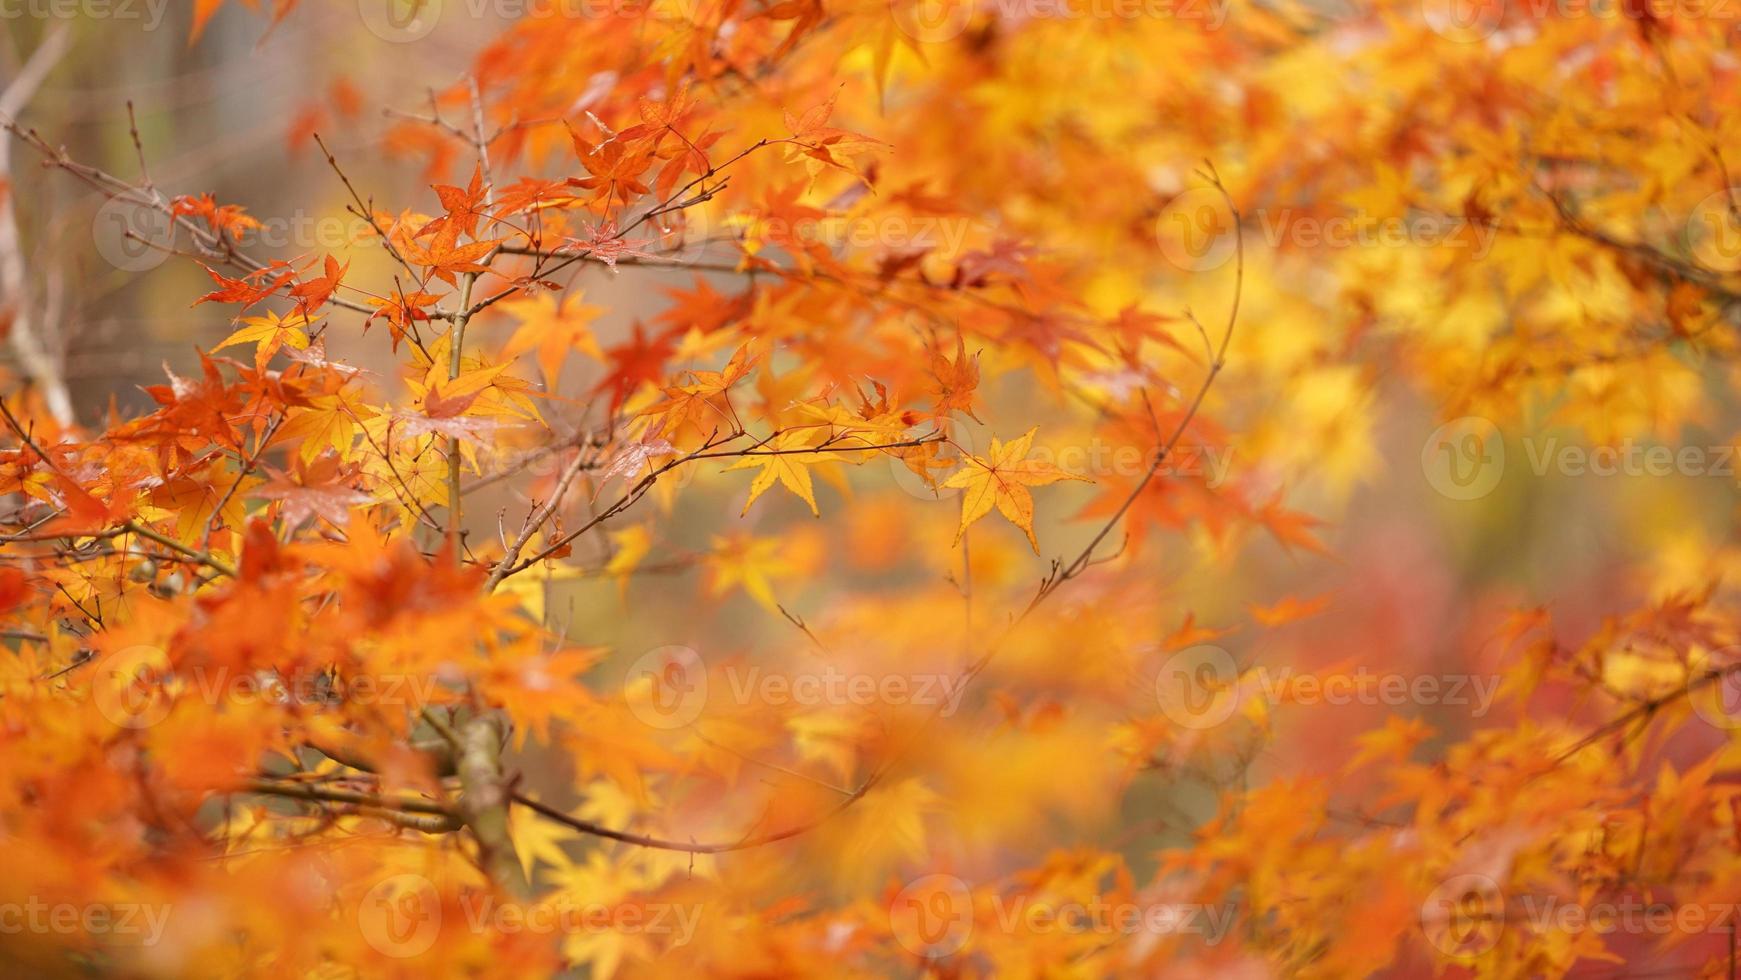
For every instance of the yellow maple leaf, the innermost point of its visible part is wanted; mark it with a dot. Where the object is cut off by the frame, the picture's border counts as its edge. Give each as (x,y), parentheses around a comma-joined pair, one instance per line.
(1001,478)
(786,459)
(554,330)
(749,562)
(884,830)
(629,545)
(538,839)
(268,333)
(329,422)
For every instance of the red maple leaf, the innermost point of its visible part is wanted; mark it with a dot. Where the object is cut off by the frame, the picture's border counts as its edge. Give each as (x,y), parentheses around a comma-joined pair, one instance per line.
(635,361)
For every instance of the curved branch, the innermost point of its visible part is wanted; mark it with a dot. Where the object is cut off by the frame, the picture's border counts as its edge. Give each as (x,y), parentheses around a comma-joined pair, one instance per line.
(1061,574)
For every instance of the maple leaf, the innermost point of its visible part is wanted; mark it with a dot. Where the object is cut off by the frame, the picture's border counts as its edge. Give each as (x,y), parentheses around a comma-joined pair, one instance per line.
(659,116)
(82,511)
(445,258)
(204,9)
(314,355)
(1394,742)
(606,244)
(268,333)
(1291,529)
(447,412)
(1189,634)
(531,194)
(748,562)
(401,310)
(536,687)
(248,289)
(615,169)
(817,140)
(631,459)
(787,459)
(634,362)
(538,839)
(781,220)
(1007,258)
(1589,283)
(320,489)
(553,329)
(1001,478)
(702,308)
(1132,327)
(312,294)
(222,219)
(629,546)
(465,207)
(329,422)
(693,403)
(954,381)
(1290,609)
(889,827)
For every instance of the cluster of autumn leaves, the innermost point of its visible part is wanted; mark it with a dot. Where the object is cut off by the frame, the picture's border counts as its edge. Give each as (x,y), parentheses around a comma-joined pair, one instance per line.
(284,634)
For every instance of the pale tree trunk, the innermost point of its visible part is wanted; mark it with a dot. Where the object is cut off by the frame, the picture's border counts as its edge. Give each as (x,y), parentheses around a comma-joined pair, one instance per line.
(37,342)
